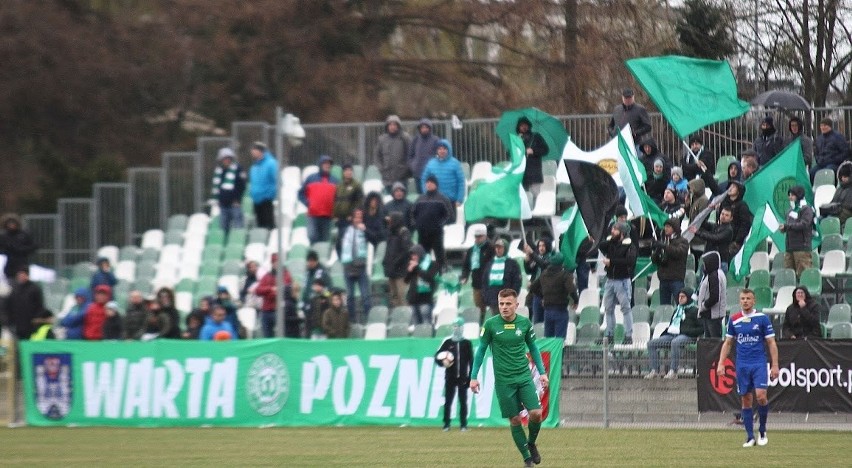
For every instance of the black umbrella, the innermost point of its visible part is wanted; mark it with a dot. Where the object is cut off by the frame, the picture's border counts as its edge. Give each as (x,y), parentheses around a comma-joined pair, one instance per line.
(781,99)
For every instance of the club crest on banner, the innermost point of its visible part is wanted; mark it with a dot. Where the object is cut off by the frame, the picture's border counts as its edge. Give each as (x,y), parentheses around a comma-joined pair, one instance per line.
(268,384)
(53,384)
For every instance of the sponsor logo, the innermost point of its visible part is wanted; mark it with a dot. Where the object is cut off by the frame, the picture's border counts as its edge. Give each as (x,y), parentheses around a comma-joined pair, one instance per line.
(723,384)
(500,332)
(53,384)
(268,384)
(743,338)
(509,326)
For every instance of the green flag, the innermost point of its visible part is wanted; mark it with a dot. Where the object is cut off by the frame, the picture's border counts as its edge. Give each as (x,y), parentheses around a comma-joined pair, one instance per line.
(765,224)
(691,93)
(769,185)
(501,194)
(574,232)
(630,172)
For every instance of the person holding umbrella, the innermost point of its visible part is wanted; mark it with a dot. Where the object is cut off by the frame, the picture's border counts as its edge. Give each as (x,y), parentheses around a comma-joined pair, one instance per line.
(545,143)
(536,149)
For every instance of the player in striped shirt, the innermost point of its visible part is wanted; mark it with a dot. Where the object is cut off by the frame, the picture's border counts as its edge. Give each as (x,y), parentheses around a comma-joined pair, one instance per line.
(753,333)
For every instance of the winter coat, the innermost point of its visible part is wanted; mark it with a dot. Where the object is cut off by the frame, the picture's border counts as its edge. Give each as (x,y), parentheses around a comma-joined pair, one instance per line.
(459,372)
(830,148)
(697,199)
(318,273)
(396,258)
(448,171)
(210,328)
(798,227)
(263,178)
(486,253)
(93,321)
(635,115)
(532,140)
(318,193)
(806,141)
(723,186)
(391,153)
(556,287)
(375,224)
(670,257)
(335,322)
(742,216)
(17,245)
(347,196)
(113,328)
(73,320)
(403,207)
(767,147)
(24,303)
(417,277)
(536,263)
(422,149)
(431,212)
(265,289)
(718,238)
(135,321)
(802,322)
(511,279)
(843,196)
(621,255)
(229,184)
(712,291)
(103,277)
(689,324)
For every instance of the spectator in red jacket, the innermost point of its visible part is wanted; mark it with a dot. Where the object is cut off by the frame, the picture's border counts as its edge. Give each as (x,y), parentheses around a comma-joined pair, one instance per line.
(96,314)
(318,193)
(266,290)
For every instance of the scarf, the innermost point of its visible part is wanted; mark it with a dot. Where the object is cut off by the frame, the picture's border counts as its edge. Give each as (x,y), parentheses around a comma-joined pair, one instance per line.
(224,179)
(423,286)
(498,267)
(677,318)
(475,256)
(354,246)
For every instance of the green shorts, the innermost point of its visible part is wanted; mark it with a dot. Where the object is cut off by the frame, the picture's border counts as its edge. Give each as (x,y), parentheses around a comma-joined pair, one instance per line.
(513,398)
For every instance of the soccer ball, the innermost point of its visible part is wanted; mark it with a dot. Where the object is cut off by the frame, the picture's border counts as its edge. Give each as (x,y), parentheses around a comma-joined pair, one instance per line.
(446,358)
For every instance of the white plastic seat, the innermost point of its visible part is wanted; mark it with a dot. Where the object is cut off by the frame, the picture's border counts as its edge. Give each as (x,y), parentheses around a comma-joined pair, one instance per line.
(299,236)
(307,171)
(255,251)
(170,256)
(153,239)
(373,185)
(126,270)
(376,331)
(833,263)
(248,318)
(454,237)
(183,301)
(481,170)
(641,336)
(823,195)
(783,299)
(189,270)
(571,334)
(759,261)
(545,204)
(232,282)
(589,296)
(109,252)
(659,329)
(166,277)
(198,223)
(446,316)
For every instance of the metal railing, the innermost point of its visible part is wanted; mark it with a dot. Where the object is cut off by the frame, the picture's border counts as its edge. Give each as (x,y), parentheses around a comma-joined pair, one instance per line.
(120,213)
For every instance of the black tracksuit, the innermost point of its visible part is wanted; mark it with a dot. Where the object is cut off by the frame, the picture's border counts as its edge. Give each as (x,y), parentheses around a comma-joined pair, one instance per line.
(456,377)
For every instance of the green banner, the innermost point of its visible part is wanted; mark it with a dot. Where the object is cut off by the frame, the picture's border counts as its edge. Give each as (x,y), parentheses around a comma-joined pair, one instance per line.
(254,383)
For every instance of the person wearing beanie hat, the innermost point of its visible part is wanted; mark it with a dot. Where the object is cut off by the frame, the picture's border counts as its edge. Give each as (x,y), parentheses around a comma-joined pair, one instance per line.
(263,175)
(556,288)
(103,275)
(797,130)
(619,262)
(678,183)
(830,148)
(447,173)
(698,159)
(769,143)
(348,195)
(843,194)
(399,203)
(318,193)
(114,323)
(421,150)
(455,355)
(391,153)
(672,205)
(798,227)
(430,213)
(669,255)
(684,328)
(335,318)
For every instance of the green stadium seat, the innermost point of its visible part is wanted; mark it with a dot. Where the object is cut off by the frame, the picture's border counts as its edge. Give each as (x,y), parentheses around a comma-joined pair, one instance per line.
(422,330)
(397,330)
(400,315)
(177,222)
(762,297)
(831,242)
(377,314)
(589,314)
(759,278)
(662,314)
(841,331)
(588,334)
(838,313)
(812,279)
(784,277)
(641,313)
(829,225)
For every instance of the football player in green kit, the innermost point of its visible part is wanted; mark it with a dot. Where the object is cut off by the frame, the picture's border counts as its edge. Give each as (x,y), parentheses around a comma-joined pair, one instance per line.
(509,336)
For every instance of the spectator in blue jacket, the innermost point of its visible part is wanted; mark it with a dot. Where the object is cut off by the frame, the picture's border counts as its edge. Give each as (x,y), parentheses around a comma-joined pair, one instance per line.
(104,275)
(73,320)
(263,176)
(447,169)
(216,328)
(830,148)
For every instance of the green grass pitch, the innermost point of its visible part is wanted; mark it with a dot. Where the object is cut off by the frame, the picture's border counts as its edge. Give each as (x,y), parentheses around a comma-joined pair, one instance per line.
(371,446)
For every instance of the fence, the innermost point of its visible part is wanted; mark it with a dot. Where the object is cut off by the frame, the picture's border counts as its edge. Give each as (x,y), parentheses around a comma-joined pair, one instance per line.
(119,214)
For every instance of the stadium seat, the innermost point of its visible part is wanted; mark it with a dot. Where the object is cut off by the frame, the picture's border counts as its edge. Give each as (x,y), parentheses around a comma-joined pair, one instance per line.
(641,313)
(783,299)
(422,330)
(126,270)
(833,263)
(153,239)
(109,252)
(812,280)
(829,225)
(662,314)
(722,167)
(255,251)
(823,195)
(377,314)
(759,261)
(571,334)
(762,297)
(831,242)
(375,331)
(641,336)
(184,301)
(784,277)
(173,238)
(397,330)
(587,334)
(640,296)
(481,170)
(841,331)
(447,315)
(758,278)
(589,314)
(847,230)
(659,329)
(838,313)
(177,222)
(824,177)
(589,296)
(128,252)
(356,330)
(470,314)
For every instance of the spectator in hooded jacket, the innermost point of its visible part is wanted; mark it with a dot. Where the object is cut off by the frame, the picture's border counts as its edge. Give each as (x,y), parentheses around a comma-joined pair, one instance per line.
(769,143)
(228,186)
(263,176)
(114,323)
(318,193)
(217,327)
(683,328)
(391,153)
(447,169)
(556,289)
(669,255)
(735,173)
(798,227)
(93,322)
(16,244)
(475,259)
(136,316)
(421,150)
(431,212)
(711,295)
(718,237)
(830,148)
(697,152)
(535,262)
(73,320)
(353,256)
(103,275)
(421,275)
(335,319)
(657,181)
(535,149)
(802,318)
(620,263)
(742,216)
(671,204)
(266,290)
(678,183)
(24,305)
(374,219)
(843,195)
(648,153)
(797,130)
(399,203)
(396,259)
(166,299)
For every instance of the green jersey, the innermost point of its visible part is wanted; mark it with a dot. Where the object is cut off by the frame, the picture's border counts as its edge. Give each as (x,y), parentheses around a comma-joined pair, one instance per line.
(509,342)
